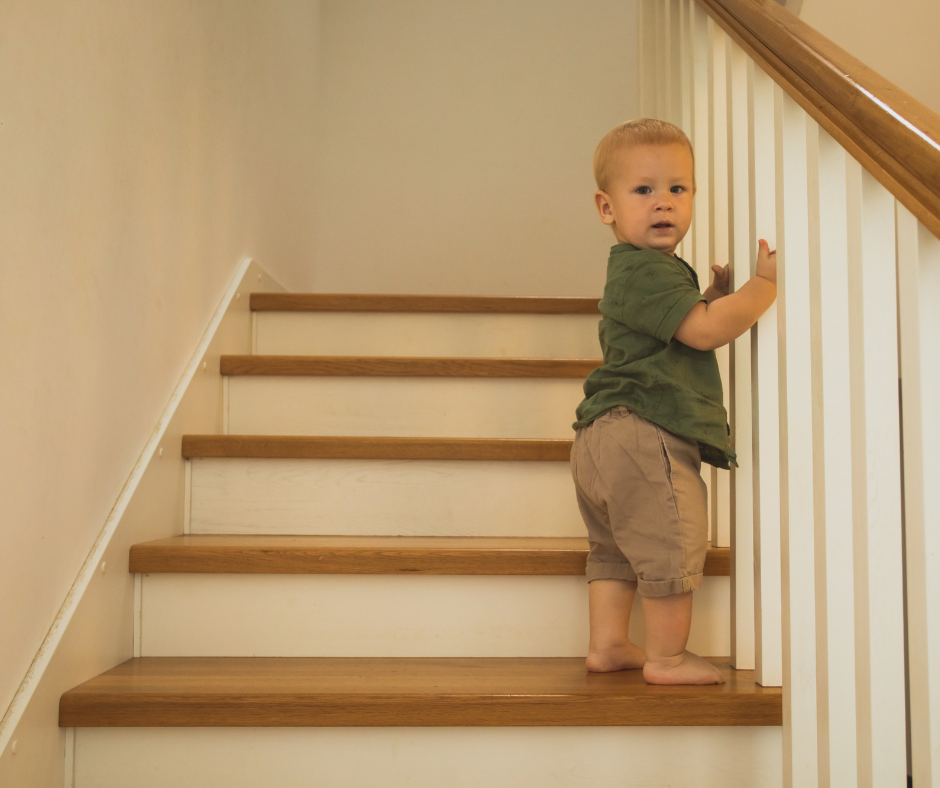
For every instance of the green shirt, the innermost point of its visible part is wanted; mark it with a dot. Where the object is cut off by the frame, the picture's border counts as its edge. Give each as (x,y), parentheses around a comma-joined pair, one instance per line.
(671,384)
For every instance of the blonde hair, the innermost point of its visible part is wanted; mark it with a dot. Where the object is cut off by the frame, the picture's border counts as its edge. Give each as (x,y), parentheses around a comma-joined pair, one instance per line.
(643,131)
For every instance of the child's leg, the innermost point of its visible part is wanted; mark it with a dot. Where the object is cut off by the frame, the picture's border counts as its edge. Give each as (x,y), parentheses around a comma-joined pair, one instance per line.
(611,602)
(668,619)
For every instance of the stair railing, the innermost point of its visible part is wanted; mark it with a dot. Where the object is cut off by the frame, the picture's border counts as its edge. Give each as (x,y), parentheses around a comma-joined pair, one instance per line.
(833,515)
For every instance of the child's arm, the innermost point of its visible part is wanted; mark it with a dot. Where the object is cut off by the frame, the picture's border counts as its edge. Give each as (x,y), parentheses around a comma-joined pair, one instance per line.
(710,325)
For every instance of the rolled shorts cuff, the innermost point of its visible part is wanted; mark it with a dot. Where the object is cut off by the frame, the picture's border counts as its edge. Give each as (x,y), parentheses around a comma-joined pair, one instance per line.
(678,585)
(603,570)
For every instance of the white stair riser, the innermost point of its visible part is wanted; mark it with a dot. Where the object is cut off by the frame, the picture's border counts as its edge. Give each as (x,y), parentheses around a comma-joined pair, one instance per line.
(464,335)
(389,616)
(419,407)
(383,497)
(703,757)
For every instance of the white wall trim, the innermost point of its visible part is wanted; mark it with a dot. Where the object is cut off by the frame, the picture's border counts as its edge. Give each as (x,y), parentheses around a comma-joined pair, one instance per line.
(43,656)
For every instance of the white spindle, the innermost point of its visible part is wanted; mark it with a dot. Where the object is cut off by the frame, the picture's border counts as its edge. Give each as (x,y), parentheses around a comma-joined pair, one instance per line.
(742,524)
(669,71)
(918,296)
(685,67)
(701,218)
(876,504)
(683,92)
(796,442)
(646,65)
(719,251)
(660,105)
(832,453)
(764,392)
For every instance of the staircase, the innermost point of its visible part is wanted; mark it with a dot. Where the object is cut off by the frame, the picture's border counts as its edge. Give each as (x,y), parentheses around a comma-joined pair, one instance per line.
(381,580)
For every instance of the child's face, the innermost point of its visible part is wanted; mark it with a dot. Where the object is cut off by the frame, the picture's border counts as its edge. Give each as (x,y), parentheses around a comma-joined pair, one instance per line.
(649,198)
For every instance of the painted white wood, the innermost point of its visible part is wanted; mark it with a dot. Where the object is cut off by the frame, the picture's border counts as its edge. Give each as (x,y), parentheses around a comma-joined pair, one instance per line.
(764,396)
(406,497)
(187,496)
(742,524)
(719,250)
(645,58)
(432,407)
(138,612)
(832,461)
(704,757)
(390,616)
(682,88)
(700,137)
(659,104)
(876,505)
(667,42)
(69,771)
(685,67)
(700,232)
(918,296)
(225,406)
(376,334)
(798,569)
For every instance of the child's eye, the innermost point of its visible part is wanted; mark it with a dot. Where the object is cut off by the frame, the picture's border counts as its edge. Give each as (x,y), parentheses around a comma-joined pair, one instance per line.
(677,189)
(643,190)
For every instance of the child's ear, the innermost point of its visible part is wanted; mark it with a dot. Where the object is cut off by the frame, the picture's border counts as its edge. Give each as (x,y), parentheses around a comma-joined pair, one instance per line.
(602,203)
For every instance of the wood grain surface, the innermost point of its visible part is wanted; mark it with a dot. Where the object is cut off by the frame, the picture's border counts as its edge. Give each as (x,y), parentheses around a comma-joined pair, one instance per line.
(350,448)
(375,555)
(354,302)
(895,137)
(369,692)
(391,366)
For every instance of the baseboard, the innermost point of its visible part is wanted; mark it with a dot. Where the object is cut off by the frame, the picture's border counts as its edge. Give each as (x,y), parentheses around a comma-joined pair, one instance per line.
(95,626)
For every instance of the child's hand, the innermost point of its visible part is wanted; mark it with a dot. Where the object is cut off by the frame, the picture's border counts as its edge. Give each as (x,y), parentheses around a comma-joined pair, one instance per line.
(722,279)
(766,262)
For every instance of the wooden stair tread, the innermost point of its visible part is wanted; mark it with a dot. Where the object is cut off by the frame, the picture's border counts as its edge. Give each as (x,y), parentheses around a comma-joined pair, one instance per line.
(391,366)
(427,555)
(364,692)
(356,302)
(326,447)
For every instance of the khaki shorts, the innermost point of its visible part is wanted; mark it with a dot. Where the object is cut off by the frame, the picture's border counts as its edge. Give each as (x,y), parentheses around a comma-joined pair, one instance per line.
(643,501)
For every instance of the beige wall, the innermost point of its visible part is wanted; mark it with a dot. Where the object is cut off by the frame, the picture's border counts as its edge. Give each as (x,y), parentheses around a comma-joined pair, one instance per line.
(898,40)
(145,149)
(455,143)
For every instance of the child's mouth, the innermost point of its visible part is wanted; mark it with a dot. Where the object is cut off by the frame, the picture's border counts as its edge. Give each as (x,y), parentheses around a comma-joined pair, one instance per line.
(662,226)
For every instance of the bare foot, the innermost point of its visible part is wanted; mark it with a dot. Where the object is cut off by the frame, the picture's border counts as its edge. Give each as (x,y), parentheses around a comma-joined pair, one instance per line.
(686,668)
(628,657)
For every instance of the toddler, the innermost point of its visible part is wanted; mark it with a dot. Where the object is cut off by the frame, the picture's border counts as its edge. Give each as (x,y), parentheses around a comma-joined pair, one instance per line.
(653,412)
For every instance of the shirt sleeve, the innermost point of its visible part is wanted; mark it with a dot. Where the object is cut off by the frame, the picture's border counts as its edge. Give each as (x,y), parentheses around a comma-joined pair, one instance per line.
(657,296)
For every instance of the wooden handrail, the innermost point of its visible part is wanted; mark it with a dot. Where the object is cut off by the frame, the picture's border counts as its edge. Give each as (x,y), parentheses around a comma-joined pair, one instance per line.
(895,137)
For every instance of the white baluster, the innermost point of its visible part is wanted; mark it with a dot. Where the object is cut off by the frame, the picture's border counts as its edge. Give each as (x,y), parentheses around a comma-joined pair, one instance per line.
(719,252)
(685,66)
(832,460)
(919,295)
(646,32)
(764,393)
(876,505)
(796,443)
(684,116)
(701,218)
(742,524)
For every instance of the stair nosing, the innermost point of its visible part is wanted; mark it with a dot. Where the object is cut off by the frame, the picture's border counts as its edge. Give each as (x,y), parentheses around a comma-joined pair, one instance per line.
(401,691)
(401,366)
(374,448)
(445,304)
(399,555)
